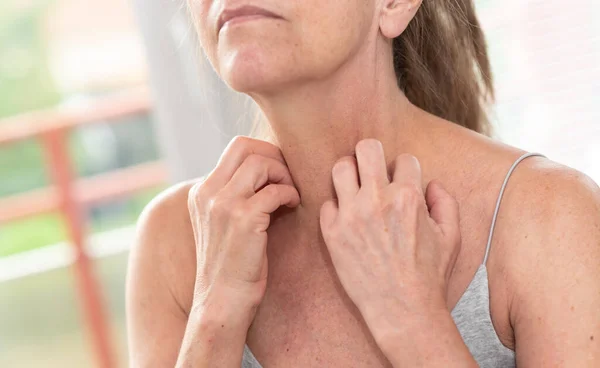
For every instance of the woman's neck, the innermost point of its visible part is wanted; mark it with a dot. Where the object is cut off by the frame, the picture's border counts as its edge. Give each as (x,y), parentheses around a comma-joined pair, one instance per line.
(319,122)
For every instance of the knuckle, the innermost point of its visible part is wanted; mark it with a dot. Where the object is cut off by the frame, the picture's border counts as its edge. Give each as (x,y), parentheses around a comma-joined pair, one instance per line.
(234,145)
(258,164)
(358,217)
(237,212)
(369,207)
(196,194)
(368,210)
(193,193)
(397,202)
(408,194)
(240,141)
(254,160)
(392,205)
(410,190)
(239,146)
(273,190)
(217,206)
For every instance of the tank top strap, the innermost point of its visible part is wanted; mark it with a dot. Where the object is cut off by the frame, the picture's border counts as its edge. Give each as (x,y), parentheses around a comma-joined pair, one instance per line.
(497,209)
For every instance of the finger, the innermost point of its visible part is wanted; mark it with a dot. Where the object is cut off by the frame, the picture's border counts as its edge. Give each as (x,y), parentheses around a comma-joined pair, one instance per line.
(273,196)
(372,167)
(407,171)
(327,215)
(234,155)
(345,179)
(443,208)
(255,172)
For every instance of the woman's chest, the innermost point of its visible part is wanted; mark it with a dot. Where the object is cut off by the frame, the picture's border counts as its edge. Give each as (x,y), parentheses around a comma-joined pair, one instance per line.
(307,320)
(306,317)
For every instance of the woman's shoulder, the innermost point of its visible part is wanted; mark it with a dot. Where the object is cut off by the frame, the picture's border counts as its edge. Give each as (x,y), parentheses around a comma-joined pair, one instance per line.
(165,243)
(542,195)
(544,261)
(165,219)
(547,243)
(169,206)
(544,205)
(537,184)
(552,211)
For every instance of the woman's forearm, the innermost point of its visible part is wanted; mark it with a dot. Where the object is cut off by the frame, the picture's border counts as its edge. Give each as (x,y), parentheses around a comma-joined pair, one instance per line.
(216,334)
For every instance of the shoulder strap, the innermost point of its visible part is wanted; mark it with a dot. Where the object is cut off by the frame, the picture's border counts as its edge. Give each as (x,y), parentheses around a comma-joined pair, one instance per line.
(510,171)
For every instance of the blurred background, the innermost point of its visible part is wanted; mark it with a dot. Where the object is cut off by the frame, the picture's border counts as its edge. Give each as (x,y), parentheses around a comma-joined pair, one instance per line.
(103,103)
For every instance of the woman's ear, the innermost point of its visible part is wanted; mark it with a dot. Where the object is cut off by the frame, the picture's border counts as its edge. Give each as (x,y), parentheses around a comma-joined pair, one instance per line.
(396,15)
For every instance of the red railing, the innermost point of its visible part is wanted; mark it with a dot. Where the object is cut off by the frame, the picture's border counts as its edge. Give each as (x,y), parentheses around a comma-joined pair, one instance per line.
(70,195)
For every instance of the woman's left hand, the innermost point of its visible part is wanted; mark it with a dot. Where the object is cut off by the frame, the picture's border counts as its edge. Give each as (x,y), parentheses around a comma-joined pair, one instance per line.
(393,247)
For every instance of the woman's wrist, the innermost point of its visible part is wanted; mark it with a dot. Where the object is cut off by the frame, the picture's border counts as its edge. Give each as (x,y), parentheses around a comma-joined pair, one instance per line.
(216,330)
(396,316)
(425,339)
(224,306)
(404,329)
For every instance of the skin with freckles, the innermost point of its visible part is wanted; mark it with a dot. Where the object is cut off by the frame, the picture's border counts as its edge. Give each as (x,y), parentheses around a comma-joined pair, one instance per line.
(383,218)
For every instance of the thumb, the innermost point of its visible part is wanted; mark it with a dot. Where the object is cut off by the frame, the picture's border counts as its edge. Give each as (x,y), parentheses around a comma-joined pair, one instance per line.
(443,208)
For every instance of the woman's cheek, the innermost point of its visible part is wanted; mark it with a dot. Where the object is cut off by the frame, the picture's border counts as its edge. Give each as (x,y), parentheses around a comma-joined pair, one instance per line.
(203,19)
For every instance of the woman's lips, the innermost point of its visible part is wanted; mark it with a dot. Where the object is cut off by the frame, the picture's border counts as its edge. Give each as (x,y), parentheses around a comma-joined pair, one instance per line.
(243,14)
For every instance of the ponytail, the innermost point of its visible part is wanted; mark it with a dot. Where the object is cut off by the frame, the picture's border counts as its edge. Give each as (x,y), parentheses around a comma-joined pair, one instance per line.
(442,64)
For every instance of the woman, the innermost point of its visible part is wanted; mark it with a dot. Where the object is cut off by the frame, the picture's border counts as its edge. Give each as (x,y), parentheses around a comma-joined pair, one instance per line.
(358,232)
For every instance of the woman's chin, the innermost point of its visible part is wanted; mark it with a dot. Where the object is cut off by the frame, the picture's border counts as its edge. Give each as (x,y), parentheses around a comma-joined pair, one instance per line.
(254,67)
(251,78)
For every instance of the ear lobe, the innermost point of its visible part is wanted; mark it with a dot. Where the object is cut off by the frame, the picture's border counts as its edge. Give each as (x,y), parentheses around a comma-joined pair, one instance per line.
(396,15)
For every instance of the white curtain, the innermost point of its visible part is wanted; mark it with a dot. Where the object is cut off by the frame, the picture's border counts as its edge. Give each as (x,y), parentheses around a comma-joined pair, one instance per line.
(546,60)
(196,113)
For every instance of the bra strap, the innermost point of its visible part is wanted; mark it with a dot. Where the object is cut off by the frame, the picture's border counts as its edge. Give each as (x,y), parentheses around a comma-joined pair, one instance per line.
(510,171)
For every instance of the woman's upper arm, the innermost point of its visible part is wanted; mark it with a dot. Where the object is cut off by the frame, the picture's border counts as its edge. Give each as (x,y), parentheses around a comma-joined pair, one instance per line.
(160,280)
(555,308)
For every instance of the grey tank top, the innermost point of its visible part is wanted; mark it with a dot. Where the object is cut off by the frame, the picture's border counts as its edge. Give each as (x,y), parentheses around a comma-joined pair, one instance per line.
(472,312)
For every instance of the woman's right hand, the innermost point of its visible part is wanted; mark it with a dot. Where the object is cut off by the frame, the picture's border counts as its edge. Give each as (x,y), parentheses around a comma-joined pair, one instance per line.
(230,212)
